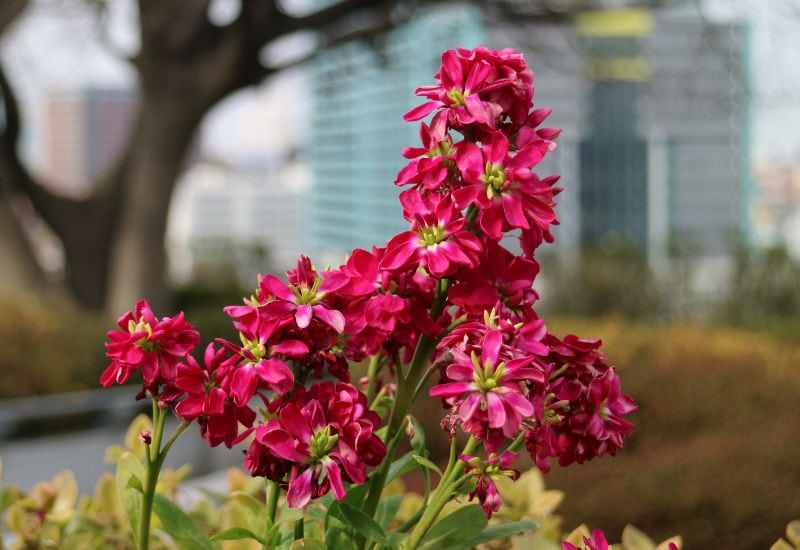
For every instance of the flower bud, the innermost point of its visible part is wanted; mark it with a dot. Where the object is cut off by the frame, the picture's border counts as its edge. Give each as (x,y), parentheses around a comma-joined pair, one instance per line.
(145,437)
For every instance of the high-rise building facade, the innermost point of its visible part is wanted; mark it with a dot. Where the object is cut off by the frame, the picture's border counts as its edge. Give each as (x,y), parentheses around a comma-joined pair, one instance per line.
(85,132)
(359,97)
(654,107)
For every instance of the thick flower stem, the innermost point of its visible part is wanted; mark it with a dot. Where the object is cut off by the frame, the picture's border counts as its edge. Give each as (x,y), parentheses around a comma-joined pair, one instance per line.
(273,491)
(406,393)
(450,481)
(155,459)
(372,373)
(151,476)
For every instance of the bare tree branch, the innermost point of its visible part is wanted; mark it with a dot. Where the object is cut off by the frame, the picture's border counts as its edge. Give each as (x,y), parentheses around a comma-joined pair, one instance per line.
(10,10)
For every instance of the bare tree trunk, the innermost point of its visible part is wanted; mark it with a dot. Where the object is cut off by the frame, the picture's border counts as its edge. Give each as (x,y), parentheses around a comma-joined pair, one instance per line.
(19,271)
(138,258)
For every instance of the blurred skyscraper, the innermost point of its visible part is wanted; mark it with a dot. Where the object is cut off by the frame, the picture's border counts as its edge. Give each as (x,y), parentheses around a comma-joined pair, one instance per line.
(85,132)
(359,96)
(654,107)
(236,220)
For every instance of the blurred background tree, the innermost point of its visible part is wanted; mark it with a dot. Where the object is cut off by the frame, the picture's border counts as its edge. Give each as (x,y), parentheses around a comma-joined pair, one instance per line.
(113,238)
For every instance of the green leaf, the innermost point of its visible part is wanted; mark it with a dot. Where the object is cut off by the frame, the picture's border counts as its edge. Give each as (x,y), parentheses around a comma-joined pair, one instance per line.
(401,466)
(179,526)
(237,533)
(8,496)
(396,540)
(250,502)
(418,441)
(427,464)
(634,539)
(357,495)
(360,522)
(135,483)
(289,515)
(793,532)
(501,531)
(387,509)
(129,466)
(308,544)
(339,539)
(456,529)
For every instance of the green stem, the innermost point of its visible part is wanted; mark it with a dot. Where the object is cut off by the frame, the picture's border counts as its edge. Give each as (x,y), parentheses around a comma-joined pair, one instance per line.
(299,527)
(450,481)
(517,443)
(372,372)
(472,213)
(155,457)
(153,464)
(273,491)
(406,392)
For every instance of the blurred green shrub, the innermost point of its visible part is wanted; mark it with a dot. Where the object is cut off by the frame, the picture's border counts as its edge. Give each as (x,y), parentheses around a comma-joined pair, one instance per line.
(715,453)
(48,349)
(614,279)
(765,291)
(202,303)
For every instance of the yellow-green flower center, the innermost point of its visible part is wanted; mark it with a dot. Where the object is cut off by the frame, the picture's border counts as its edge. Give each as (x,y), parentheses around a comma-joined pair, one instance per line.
(495,178)
(457,97)
(306,295)
(255,347)
(432,235)
(144,341)
(322,441)
(487,376)
(442,149)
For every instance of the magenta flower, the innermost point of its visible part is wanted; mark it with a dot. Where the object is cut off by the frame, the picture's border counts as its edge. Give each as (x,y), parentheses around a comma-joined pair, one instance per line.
(326,435)
(437,240)
(597,541)
(460,82)
(505,190)
(488,383)
(585,415)
(260,366)
(278,304)
(207,400)
(148,344)
(501,281)
(486,472)
(478,88)
(431,163)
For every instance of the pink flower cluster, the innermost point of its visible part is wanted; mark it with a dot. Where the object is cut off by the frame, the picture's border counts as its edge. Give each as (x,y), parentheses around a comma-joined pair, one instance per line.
(448,278)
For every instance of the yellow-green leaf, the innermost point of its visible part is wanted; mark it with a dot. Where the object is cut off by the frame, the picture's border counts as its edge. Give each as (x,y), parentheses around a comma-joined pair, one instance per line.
(793,532)
(634,539)
(127,466)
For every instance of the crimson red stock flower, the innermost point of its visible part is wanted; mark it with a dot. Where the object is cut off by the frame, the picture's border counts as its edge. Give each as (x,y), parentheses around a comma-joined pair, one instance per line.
(597,541)
(585,417)
(485,472)
(446,280)
(486,387)
(324,434)
(505,190)
(208,399)
(147,344)
(438,240)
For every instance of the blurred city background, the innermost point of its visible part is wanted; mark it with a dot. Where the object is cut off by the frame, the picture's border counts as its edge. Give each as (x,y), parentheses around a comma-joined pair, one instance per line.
(174,150)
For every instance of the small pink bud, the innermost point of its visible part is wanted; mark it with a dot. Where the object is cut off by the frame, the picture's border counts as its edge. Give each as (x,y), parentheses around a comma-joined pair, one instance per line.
(411,431)
(145,437)
(163,405)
